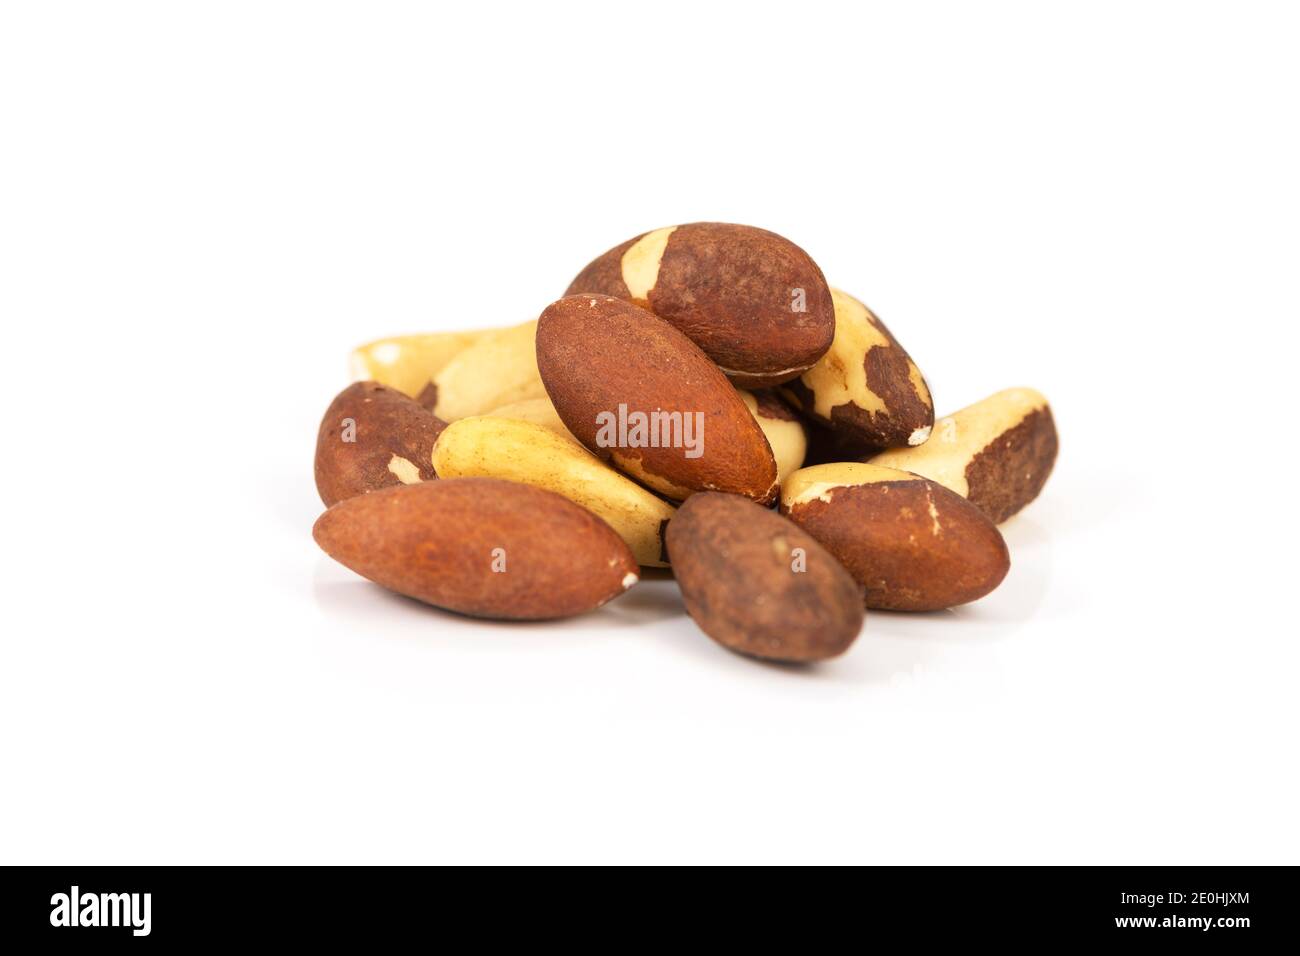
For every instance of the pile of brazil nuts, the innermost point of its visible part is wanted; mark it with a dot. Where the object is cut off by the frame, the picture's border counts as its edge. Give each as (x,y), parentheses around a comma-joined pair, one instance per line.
(698,400)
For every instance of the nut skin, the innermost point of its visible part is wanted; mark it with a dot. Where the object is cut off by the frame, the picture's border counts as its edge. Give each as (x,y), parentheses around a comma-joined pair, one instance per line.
(597,352)
(866,389)
(734,562)
(387,424)
(435,542)
(911,543)
(729,288)
(997,453)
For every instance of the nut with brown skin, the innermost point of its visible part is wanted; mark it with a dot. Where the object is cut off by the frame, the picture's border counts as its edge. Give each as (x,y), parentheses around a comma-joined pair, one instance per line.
(866,389)
(641,395)
(373,437)
(997,453)
(756,303)
(759,584)
(480,546)
(913,544)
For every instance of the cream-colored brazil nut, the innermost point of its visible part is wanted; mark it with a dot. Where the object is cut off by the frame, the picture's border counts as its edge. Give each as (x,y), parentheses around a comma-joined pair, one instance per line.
(997,453)
(535,455)
(498,369)
(409,362)
(782,428)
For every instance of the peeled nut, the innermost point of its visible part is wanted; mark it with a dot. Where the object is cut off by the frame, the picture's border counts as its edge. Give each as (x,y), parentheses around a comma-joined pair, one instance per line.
(372,437)
(497,369)
(524,452)
(865,387)
(408,362)
(480,546)
(784,432)
(997,453)
(913,544)
(755,302)
(639,394)
(539,411)
(758,584)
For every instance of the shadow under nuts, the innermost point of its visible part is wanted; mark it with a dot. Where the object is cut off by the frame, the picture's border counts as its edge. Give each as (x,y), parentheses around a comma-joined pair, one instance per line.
(755,302)
(373,437)
(759,584)
(480,546)
(911,543)
(639,394)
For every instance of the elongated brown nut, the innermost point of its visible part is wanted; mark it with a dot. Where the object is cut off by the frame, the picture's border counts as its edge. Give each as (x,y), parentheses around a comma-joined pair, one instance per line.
(913,544)
(372,437)
(535,455)
(781,426)
(866,388)
(409,362)
(752,300)
(997,453)
(639,394)
(480,546)
(759,584)
(498,369)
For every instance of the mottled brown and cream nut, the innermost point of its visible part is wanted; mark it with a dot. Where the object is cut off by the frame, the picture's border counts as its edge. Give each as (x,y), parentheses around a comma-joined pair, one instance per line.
(911,543)
(641,395)
(997,453)
(535,455)
(866,388)
(758,584)
(755,302)
(781,426)
(480,546)
(371,437)
(409,362)
(539,411)
(496,370)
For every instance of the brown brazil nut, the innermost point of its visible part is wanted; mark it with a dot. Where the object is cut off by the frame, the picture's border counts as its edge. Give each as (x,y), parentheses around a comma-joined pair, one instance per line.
(911,543)
(371,437)
(756,303)
(866,388)
(997,453)
(480,546)
(641,395)
(759,584)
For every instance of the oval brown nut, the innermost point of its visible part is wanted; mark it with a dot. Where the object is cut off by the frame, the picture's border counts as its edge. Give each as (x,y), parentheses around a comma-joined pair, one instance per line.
(408,362)
(755,302)
(480,546)
(758,584)
(372,437)
(996,453)
(865,387)
(913,544)
(784,432)
(641,395)
(499,447)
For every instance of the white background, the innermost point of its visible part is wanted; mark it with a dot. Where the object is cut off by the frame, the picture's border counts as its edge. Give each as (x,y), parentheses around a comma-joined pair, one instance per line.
(203,207)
